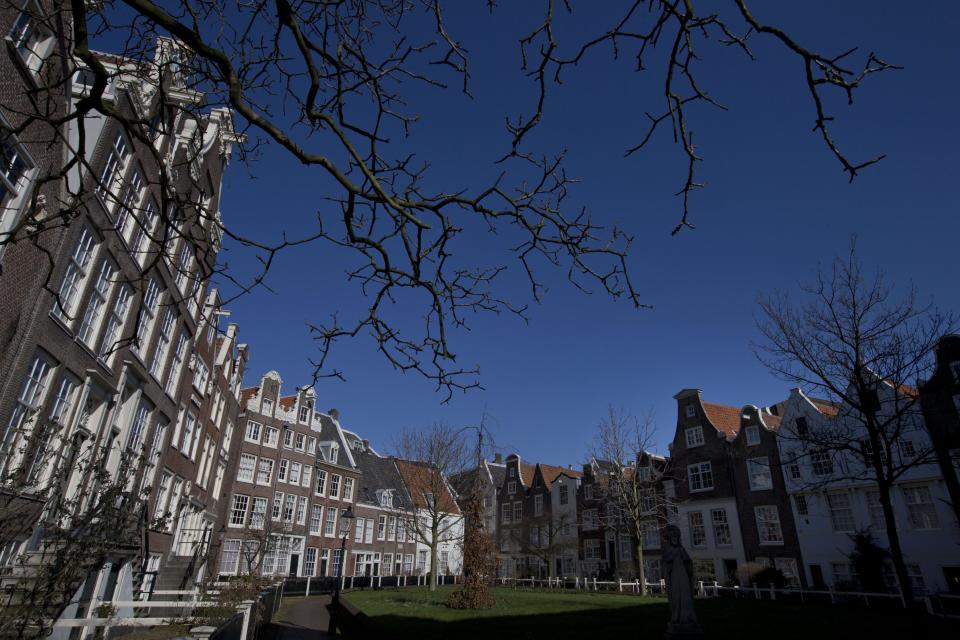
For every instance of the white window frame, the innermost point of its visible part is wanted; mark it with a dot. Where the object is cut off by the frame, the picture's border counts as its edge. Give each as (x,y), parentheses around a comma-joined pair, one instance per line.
(693,436)
(697,475)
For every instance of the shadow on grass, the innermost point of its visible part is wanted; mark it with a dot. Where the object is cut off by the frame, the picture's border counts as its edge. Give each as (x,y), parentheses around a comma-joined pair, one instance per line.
(720,619)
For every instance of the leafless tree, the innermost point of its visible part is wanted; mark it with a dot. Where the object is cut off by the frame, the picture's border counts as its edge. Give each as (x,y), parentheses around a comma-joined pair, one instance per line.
(632,490)
(862,346)
(64,511)
(426,459)
(545,538)
(330,84)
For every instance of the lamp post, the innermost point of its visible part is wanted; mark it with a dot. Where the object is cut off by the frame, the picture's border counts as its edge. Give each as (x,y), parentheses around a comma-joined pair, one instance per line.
(345,519)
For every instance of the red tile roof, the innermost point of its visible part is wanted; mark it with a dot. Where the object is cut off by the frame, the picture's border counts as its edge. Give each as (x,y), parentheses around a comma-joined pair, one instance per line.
(551,473)
(526,473)
(725,419)
(825,407)
(287,402)
(422,478)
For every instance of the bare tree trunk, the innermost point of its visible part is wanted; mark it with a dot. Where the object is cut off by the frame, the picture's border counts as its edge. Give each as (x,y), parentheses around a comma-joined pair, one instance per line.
(434,543)
(893,537)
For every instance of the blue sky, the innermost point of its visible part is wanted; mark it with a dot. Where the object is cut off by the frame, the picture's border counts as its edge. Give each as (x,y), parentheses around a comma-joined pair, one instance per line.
(777,205)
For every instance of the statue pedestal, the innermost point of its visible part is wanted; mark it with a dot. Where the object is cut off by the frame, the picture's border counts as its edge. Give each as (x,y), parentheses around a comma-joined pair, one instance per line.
(687,631)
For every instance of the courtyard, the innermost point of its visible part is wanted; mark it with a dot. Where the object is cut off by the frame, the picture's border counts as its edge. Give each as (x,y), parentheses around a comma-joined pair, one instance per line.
(417,613)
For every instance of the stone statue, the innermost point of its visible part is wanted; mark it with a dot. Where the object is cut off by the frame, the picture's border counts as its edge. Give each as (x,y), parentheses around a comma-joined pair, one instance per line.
(678,573)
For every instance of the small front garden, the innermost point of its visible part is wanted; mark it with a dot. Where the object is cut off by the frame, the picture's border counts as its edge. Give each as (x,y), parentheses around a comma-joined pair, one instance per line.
(416,613)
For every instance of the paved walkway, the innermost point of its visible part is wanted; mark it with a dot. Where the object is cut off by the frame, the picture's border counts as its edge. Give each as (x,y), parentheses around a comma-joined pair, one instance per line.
(304,620)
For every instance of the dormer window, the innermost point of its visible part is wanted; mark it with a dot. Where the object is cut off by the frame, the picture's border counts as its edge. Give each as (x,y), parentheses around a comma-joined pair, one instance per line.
(753,436)
(304,414)
(694,436)
(266,407)
(385,497)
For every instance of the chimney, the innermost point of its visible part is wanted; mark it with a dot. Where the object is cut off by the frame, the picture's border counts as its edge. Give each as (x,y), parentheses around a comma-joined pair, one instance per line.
(333,413)
(497,458)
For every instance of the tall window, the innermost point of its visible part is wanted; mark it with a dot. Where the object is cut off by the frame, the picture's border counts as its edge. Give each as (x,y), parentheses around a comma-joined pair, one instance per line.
(721,527)
(358,530)
(348,489)
(183,268)
(564,494)
(113,171)
(330,524)
(163,343)
(60,411)
(758,470)
(310,562)
(176,367)
(139,425)
(920,508)
(700,476)
(301,509)
(118,316)
(238,512)
(253,431)
(288,507)
(65,306)
(800,502)
(142,231)
(316,518)
(538,505)
(14,165)
(145,320)
(270,436)
(698,532)
(259,513)
(381,527)
(201,375)
(129,203)
(282,470)
(321,482)
(245,469)
(31,396)
(334,486)
(190,435)
(264,471)
(768,524)
(98,301)
(841,512)
(277,505)
(229,557)
(295,473)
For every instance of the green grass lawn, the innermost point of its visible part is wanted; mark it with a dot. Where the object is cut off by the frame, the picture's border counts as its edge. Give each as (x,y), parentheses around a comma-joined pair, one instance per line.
(417,613)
